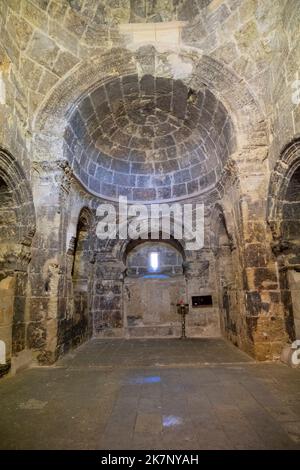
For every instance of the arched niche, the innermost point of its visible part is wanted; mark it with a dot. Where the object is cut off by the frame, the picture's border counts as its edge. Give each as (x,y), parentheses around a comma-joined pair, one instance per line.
(201,74)
(284,219)
(82,278)
(77,325)
(17,227)
(226,272)
(8,230)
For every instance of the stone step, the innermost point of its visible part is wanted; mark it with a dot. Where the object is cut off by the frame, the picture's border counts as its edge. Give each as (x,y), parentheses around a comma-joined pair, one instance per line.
(153,331)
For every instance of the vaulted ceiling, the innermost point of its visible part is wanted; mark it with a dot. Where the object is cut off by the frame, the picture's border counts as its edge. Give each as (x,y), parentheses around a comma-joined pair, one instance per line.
(148,138)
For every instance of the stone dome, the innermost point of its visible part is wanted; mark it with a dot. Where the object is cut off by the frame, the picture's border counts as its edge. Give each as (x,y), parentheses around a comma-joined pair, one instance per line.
(148,138)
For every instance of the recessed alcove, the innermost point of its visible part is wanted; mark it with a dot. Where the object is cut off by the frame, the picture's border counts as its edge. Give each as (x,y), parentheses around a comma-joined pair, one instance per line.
(149,139)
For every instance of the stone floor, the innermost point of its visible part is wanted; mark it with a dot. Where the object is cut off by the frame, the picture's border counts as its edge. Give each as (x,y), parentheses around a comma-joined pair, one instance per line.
(152,394)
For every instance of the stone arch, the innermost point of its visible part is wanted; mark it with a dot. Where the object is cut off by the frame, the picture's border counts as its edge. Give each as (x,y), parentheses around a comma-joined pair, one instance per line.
(85,221)
(126,245)
(202,72)
(130,245)
(288,163)
(86,217)
(170,261)
(84,228)
(117,247)
(78,211)
(15,178)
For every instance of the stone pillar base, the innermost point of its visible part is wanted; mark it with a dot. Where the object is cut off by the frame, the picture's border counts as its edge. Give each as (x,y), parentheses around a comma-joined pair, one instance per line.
(291,354)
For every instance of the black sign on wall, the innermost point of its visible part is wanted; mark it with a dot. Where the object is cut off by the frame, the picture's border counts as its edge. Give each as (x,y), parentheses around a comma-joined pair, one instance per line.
(202,301)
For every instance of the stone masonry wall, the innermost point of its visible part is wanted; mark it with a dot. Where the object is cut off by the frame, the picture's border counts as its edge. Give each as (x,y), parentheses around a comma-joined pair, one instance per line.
(245,55)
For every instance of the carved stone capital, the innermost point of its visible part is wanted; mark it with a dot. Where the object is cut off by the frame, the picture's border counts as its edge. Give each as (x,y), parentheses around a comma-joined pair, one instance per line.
(111,269)
(275,229)
(19,259)
(27,238)
(45,167)
(59,172)
(283,247)
(192,269)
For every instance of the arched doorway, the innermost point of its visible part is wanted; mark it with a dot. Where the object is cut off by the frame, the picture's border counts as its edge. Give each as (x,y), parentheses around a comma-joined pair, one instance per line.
(153,285)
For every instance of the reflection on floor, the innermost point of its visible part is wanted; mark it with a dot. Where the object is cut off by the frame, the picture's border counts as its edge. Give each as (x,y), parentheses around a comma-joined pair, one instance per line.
(152,394)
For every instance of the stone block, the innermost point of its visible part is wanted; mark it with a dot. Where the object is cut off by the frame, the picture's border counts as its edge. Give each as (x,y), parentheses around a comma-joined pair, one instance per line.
(34,15)
(42,49)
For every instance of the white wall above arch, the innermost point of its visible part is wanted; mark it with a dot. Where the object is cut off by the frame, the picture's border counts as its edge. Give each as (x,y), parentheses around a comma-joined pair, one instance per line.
(167,32)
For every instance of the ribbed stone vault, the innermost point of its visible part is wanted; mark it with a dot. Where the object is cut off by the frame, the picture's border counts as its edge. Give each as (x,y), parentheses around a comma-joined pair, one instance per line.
(149,139)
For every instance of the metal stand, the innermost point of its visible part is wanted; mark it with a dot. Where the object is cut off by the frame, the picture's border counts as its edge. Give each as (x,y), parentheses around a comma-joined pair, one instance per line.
(183,310)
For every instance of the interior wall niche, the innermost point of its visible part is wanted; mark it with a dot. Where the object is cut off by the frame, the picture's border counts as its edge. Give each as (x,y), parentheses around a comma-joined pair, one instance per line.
(78,323)
(179,138)
(152,287)
(81,278)
(284,220)
(291,238)
(226,266)
(17,226)
(8,231)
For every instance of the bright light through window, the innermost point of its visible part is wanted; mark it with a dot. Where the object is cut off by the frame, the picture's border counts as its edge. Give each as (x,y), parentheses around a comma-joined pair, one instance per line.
(154,261)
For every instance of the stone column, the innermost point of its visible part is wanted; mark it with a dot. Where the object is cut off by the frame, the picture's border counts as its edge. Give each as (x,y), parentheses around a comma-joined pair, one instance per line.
(264,313)
(50,183)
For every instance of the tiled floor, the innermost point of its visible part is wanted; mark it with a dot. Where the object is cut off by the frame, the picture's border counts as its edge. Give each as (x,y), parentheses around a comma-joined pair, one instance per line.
(152,394)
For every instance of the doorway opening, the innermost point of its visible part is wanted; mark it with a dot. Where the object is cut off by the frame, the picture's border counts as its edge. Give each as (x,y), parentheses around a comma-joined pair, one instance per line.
(153,285)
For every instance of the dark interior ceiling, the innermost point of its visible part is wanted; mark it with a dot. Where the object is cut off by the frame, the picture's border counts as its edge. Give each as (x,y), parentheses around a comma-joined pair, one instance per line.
(150,139)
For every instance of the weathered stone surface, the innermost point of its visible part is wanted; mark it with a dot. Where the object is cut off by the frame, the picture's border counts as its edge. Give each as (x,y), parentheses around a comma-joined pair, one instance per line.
(42,49)
(152,122)
(148,130)
(34,15)
(64,62)
(20,30)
